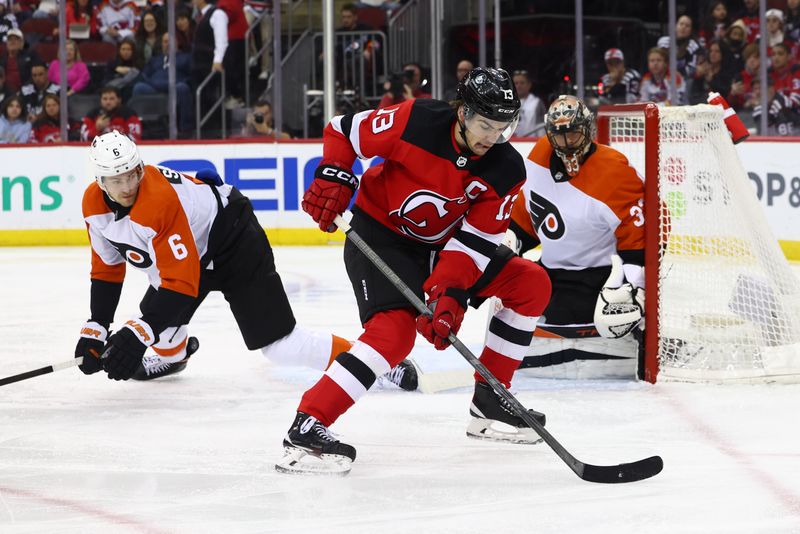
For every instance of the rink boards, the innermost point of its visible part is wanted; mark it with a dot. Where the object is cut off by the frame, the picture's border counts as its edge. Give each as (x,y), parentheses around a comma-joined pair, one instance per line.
(41,186)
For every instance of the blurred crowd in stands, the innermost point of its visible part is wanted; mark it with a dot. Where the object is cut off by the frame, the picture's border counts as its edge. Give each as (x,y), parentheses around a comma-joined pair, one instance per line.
(117,67)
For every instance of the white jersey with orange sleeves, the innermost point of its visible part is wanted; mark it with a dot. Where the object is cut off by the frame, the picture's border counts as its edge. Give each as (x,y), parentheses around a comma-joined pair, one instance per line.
(165,233)
(582,221)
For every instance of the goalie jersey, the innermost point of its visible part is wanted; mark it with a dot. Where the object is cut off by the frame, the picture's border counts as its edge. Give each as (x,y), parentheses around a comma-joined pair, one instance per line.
(581,221)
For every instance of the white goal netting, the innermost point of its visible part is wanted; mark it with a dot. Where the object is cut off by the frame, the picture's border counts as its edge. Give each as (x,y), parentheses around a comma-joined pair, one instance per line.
(729,303)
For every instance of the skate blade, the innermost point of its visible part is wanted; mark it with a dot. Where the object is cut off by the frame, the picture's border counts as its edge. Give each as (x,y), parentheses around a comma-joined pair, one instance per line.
(495,431)
(299,462)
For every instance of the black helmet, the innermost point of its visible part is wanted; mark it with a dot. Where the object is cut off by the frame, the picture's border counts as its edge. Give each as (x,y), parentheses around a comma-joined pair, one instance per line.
(490,93)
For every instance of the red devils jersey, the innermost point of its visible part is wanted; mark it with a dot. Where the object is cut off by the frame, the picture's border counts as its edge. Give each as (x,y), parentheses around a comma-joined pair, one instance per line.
(581,221)
(124,120)
(426,189)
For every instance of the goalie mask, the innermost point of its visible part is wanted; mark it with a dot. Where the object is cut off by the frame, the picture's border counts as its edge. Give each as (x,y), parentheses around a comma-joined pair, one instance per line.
(570,129)
(491,105)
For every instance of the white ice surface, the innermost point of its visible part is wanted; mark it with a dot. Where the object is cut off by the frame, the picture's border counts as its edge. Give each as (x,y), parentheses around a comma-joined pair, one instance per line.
(195,453)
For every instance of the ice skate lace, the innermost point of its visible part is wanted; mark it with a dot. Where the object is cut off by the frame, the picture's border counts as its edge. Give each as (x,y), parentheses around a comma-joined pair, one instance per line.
(323,433)
(154,364)
(395,376)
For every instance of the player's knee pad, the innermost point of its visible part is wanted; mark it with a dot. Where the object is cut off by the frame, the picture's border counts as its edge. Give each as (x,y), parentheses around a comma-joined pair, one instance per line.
(171,345)
(528,287)
(391,333)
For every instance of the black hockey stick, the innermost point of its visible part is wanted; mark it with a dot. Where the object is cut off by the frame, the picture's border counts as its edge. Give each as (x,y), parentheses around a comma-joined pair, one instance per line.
(41,371)
(604,474)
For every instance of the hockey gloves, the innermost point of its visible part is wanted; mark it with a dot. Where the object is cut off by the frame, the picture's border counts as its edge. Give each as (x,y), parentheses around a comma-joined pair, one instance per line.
(329,195)
(448,306)
(620,306)
(124,351)
(90,347)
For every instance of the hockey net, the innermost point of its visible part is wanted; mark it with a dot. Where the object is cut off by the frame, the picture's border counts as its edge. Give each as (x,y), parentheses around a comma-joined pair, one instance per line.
(722,301)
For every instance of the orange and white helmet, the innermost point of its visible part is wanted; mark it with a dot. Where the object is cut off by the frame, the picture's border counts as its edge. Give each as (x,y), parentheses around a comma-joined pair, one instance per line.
(570,129)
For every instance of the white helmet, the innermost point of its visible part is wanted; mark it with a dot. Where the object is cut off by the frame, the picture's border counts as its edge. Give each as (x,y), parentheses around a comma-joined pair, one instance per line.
(112,154)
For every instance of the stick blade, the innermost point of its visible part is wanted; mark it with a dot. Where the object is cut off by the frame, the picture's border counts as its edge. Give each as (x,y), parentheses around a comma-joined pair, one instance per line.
(618,474)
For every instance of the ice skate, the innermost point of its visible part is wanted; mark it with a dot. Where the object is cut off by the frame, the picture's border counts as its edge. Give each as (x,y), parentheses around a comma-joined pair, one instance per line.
(310,448)
(493,419)
(403,375)
(153,366)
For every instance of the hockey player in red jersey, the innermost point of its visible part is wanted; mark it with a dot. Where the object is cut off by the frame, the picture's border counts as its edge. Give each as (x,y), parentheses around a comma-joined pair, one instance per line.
(190,236)
(584,204)
(435,210)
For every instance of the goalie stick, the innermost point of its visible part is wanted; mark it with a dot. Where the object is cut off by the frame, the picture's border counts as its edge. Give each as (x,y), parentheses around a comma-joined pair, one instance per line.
(604,474)
(41,371)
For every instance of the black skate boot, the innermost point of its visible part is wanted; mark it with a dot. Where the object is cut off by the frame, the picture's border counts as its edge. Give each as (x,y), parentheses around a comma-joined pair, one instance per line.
(488,409)
(153,366)
(404,376)
(310,448)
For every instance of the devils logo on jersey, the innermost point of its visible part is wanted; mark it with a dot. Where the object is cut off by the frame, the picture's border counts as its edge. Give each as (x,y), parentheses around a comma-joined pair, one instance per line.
(546,218)
(135,256)
(428,216)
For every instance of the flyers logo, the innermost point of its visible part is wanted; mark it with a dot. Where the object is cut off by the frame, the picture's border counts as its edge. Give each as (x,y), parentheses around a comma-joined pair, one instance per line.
(428,216)
(135,256)
(546,218)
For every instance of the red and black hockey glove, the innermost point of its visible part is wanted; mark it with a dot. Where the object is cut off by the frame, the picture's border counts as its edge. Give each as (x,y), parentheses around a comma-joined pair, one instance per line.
(90,347)
(448,305)
(329,195)
(124,351)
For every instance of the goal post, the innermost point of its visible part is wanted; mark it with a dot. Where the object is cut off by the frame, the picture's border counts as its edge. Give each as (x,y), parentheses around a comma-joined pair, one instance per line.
(722,301)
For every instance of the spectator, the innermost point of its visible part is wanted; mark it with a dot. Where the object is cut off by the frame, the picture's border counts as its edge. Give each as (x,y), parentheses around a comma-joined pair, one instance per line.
(713,74)
(117,20)
(33,93)
(81,12)
(531,111)
(750,18)
(792,20)
(687,48)
(736,39)
(155,80)
(782,117)
(348,20)
(111,115)
(13,126)
(47,125)
(184,29)
(741,93)
(619,85)
(23,9)
(234,54)
(4,91)
(411,88)
(462,69)
(208,51)
(47,9)
(351,49)
(252,10)
(775,33)
(123,71)
(715,23)
(148,37)
(260,123)
(8,21)
(655,83)
(77,71)
(17,61)
(784,75)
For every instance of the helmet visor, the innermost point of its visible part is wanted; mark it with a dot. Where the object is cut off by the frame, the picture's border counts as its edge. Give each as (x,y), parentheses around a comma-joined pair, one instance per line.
(489,131)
